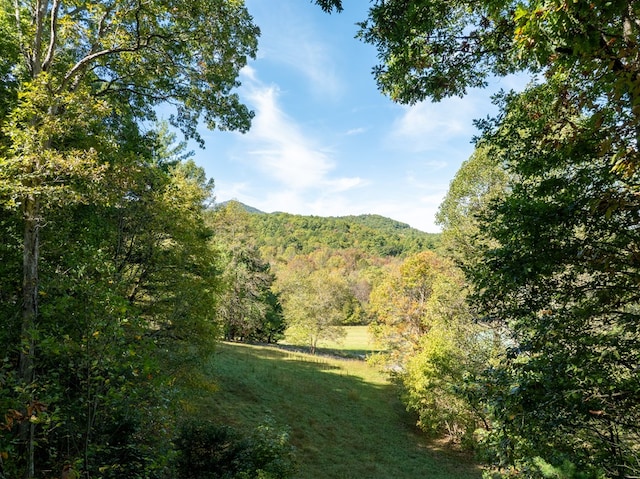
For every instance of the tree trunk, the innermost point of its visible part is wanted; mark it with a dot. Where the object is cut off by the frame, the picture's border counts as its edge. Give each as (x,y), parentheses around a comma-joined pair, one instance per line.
(31,216)
(630,25)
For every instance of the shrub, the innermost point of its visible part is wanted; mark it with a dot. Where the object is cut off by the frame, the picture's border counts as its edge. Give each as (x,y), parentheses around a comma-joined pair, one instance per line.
(210,451)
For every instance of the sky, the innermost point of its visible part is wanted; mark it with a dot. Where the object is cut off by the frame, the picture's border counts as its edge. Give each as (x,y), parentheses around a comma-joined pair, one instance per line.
(324,141)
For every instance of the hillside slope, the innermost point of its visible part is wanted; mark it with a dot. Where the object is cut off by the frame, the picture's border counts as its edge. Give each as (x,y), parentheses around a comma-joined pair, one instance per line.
(287,234)
(304,234)
(344,418)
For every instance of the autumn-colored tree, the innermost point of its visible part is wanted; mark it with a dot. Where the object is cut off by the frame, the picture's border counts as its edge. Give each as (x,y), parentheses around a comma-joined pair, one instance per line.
(400,303)
(433,347)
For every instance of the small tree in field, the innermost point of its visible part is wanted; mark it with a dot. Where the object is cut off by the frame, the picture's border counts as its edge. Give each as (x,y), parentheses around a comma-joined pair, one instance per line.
(314,306)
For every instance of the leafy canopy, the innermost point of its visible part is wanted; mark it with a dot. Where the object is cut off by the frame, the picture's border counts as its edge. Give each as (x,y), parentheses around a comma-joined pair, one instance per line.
(562,275)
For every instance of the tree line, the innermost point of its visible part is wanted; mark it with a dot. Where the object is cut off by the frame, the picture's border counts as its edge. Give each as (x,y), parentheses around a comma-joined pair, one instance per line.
(108,276)
(284,234)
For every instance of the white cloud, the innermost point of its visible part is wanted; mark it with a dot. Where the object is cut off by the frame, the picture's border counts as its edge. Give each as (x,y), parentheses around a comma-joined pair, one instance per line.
(289,38)
(419,214)
(283,151)
(314,61)
(331,205)
(448,124)
(298,173)
(324,141)
(428,126)
(355,131)
(248,73)
(280,147)
(345,184)
(284,200)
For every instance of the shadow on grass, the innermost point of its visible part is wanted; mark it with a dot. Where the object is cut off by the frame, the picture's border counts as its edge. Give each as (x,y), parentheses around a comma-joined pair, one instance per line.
(342,353)
(344,419)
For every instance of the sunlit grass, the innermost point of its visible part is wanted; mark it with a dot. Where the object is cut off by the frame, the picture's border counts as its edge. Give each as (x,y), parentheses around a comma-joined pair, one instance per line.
(357,343)
(358,338)
(344,418)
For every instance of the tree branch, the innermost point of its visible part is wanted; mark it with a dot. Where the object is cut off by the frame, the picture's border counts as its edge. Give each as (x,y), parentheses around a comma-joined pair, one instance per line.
(35,60)
(54,35)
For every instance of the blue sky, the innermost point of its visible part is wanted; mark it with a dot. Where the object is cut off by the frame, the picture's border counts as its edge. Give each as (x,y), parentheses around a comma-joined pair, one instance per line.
(324,140)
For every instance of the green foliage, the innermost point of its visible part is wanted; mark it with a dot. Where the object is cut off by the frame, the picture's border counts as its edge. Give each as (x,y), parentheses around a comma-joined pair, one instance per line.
(330,5)
(145,55)
(479,181)
(125,291)
(248,310)
(316,311)
(431,345)
(439,379)
(558,265)
(285,235)
(314,302)
(116,280)
(96,375)
(400,303)
(10,277)
(306,254)
(563,279)
(439,48)
(219,452)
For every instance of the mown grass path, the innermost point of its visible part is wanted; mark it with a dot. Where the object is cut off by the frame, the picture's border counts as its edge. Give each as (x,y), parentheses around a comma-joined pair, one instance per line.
(344,418)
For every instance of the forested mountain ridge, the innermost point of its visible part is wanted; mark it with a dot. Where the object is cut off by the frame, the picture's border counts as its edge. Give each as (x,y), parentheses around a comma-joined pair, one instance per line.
(247,208)
(288,234)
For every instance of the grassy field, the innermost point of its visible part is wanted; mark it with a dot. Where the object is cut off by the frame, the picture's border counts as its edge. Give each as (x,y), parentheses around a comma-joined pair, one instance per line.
(344,419)
(358,343)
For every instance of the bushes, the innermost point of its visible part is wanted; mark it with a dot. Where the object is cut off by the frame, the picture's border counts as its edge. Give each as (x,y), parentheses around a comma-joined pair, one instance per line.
(209,451)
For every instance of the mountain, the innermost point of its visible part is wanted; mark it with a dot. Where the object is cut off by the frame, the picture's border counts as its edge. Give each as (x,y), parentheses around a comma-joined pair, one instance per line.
(247,208)
(286,233)
(377,235)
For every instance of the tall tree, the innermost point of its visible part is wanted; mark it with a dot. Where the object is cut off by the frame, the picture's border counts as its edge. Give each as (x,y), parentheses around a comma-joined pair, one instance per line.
(248,309)
(400,303)
(479,181)
(563,276)
(126,289)
(431,343)
(77,68)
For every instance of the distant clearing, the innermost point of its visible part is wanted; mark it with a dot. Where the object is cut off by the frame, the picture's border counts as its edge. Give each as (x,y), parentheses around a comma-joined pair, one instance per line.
(358,343)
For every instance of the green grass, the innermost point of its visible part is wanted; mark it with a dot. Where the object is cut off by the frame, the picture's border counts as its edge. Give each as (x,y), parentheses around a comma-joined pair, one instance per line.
(344,418)
(358,343)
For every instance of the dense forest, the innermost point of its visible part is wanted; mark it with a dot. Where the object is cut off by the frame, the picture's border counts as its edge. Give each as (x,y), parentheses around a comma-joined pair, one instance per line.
(283,234)
(327,266)
(514,334)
